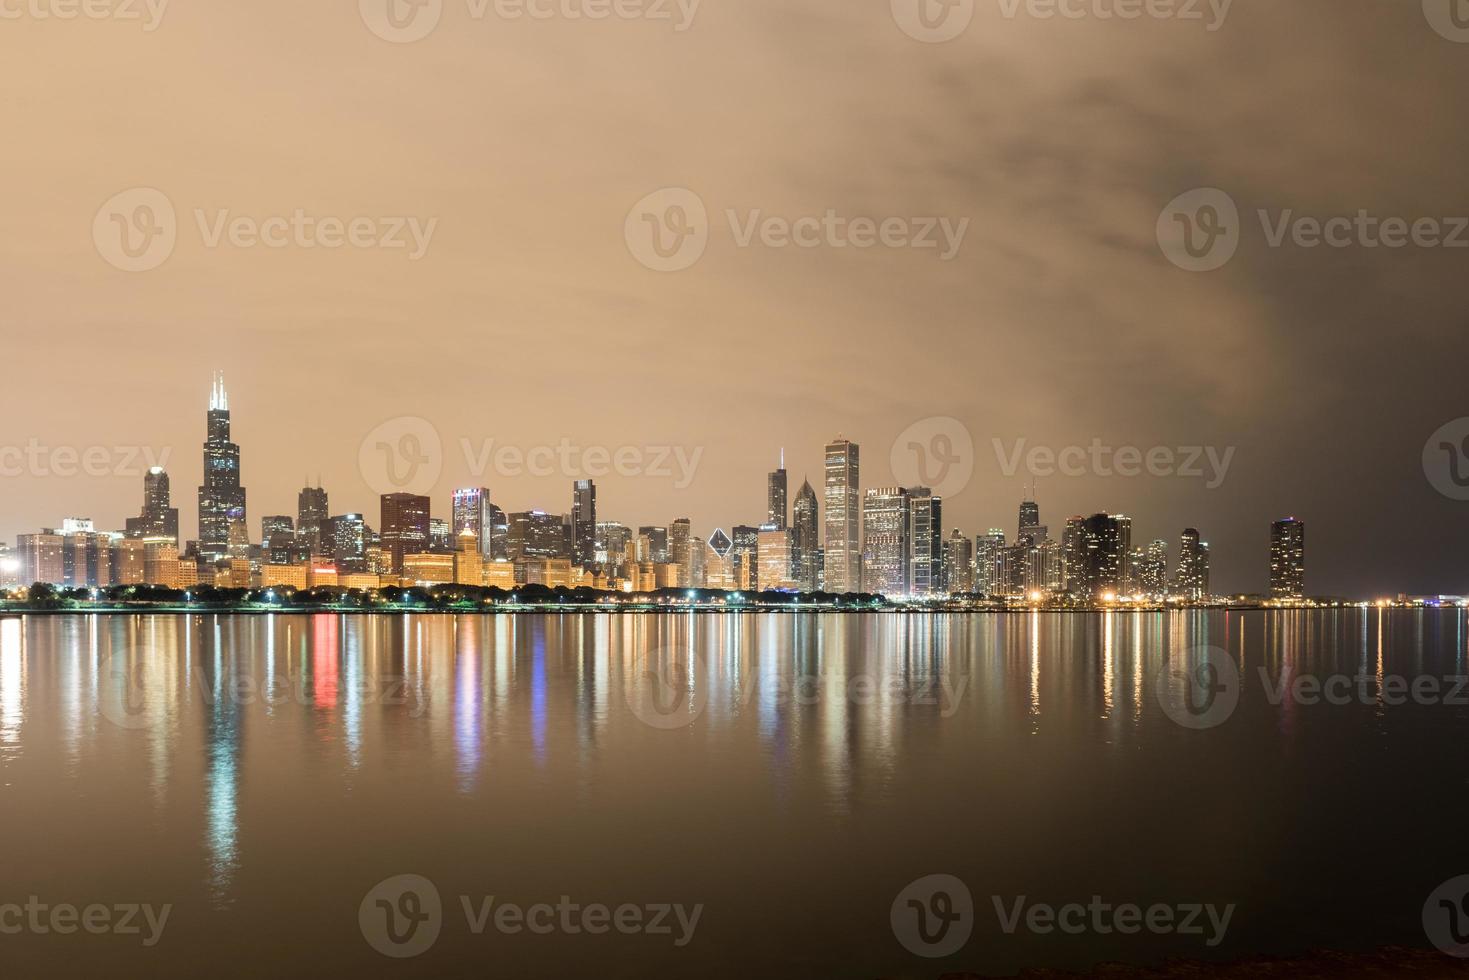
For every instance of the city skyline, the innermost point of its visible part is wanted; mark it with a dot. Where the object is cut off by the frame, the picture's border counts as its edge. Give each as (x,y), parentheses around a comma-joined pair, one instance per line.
(894,537)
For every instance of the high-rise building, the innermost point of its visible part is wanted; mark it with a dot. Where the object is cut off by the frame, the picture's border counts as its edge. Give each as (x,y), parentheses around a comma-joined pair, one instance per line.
(41,558)
(657,544)
(614,544)
(987,557)
(746,553)
(158,519)
(278,537)
(536,535)
(774,549)
(776,496)
(1192,581)
(345,541)
(958,563)
(584,524)
(843,571)
(1288,559)
(1124,548)
(1072,546)
(312,513)
(404,527)
(128,561)
(499,535)
(681,551)
(1098,570)
(886,525)
(807,539)
(221,497)
(440,536)
(925,542)
(1030,525)
(1150,569)
(472,514)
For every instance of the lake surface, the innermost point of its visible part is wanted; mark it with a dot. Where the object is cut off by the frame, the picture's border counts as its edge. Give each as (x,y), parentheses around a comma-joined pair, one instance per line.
(784,778)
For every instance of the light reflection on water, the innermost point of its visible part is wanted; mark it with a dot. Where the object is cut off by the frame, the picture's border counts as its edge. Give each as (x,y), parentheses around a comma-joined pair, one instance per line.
(234,727)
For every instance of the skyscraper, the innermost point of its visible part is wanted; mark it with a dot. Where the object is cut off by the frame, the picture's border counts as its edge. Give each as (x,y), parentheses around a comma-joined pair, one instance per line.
(987,558)
(312,513)
(1288,559)
(158,519)
(681,550)
(807,539)
(221,497)
(584,524)
(1192,581)
(472,513)
(404,527)
(345,540)
(278,537)
(958,563)
(843,509)
(886,525)
(925,542)
(776,495)
(1098,559)
(657,538)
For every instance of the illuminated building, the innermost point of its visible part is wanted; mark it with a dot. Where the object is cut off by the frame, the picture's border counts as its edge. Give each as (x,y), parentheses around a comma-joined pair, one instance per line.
(988,555)
(278,535)
(775,492)
(311,517)
(886,525)
(499,574)
(221,497)
(614,544)
(345,542)
(719,562)
(440,536)
(1097,570)
(925,542)
(404,527)
(773,559)
(469,565)
(1192,581)
(427,568)
(551,572)
(499,535)
(806,542)
(275,576)
(746,552)
(1288,559)
(320,574)
(653,544)
(159,519)
(471,512)
(584,524)
(843,571)
(536,534)
(128,561)
(41,558)
(161,565)
(680,550)
(958,563)
(359,581)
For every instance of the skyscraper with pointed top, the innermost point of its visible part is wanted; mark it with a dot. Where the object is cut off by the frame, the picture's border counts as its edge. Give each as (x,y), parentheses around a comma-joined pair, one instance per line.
(776,493)
(806,553)
(221,498)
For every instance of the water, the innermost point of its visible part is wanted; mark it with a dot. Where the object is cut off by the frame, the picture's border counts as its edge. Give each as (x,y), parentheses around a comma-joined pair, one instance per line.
(789,775)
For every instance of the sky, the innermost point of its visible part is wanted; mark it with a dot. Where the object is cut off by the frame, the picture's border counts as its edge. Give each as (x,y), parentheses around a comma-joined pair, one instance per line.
(1028,295)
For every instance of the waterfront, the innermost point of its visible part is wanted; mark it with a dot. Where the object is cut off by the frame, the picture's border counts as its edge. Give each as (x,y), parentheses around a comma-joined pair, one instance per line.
(787,774)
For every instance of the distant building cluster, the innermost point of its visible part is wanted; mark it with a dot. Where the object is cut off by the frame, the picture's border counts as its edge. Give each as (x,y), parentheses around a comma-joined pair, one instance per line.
(882,540)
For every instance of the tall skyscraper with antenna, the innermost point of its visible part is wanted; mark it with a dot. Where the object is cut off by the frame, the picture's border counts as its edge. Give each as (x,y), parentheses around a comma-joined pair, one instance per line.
(776,494)
(221,498)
